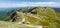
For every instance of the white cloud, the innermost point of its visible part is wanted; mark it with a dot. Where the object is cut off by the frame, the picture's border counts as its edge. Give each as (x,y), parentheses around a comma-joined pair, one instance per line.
(24,4)
(41,4)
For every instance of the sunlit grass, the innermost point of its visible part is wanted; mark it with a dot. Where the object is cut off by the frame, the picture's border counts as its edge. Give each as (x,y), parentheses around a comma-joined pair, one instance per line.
(46,17)
(6,24)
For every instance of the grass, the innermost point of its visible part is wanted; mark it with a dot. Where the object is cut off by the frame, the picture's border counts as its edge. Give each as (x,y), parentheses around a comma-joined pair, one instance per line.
(5,24)
(46,17)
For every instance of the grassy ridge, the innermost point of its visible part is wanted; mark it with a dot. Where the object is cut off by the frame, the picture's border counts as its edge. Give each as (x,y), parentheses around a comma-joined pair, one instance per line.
(48,17)
(45,17)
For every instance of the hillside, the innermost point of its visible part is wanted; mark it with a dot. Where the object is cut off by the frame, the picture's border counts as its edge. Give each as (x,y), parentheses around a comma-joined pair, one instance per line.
(41,16)
(38,16)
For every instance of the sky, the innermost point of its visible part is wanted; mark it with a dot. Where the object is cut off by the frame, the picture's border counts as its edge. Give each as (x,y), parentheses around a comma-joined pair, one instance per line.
(25,3)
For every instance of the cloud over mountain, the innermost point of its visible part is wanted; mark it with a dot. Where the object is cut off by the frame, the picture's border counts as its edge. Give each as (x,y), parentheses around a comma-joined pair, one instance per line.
(25,4)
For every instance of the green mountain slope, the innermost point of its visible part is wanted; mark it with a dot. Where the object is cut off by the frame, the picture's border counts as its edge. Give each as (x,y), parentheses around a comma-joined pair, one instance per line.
(39,16)
(48,17)
(45,17)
